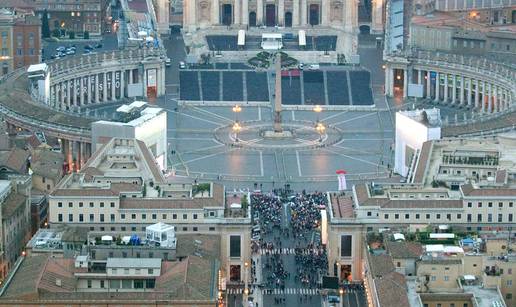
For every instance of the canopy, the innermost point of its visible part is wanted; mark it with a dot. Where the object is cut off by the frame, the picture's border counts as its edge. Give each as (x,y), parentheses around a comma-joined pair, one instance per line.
(430,248)
(469,277)
(340,172)
(442,236)
(453,250)
(399,236)
(302,38)
(241,37)
(107,238)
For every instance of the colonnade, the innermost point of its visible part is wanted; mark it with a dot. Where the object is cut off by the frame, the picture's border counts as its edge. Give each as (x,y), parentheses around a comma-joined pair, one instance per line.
(106,86)
(76,153)
(485,95)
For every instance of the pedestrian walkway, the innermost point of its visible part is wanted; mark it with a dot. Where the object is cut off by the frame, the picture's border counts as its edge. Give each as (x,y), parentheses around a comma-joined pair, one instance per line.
(286,251)
(286,291)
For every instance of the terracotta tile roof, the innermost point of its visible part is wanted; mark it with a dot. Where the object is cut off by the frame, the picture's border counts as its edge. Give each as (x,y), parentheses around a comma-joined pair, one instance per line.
(424,155)
(441,261)
(15,159)
(151,162)
(58,268)
(380,265)
(126,187)
(365,199)
(84,192)
(501,176)
(24,282)
(342,206)
(423,203)
(47,163)
(469,190)
(392,290)
(12,203)
(403,250)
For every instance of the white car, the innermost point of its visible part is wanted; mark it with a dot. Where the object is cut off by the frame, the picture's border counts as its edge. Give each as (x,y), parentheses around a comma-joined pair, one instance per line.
(313,67)
(168,62)
(182,65)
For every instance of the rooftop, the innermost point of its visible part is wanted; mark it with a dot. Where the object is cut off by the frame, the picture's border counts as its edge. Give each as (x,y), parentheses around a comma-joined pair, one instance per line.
(133,263)
(429,117)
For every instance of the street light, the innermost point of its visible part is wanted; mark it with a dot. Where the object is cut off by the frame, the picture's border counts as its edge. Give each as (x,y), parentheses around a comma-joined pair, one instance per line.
(236,109)
(317,109)
(246,281)
(320,128)
(236,129)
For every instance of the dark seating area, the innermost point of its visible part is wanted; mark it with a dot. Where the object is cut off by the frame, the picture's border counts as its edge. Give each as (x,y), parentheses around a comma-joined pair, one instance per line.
(314,87)
(257,88)
(325,42)
(189,86)
(338,90)
(291,90)
(221,65)
(239,66)
(222,42)
(210,85)
(361,88)
(232,86)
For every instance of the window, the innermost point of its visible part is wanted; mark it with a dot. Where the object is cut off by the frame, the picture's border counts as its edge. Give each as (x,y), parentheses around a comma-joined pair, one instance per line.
(511,204)
(174,216)
(234,246)
(59,217)
(448,217)
(102,284)
(369,213)
(427,216)
(150,271)
(154,216)
(144,216)
(123,228)
(480,204)
(89,283)
(500,218)
(510,217)
(138,271)
(102,217)
(459,216)
(70,205)
(509,282)
(470,205)
(102,204)
(432,278)
(91,204)
(490,205)
(164,216)
(70,217)
(386,216)
(122,216)
(446,278)
(508,296)
(112,217)
(133,216)
(150,283)
(151,255)
(211,229)
(92,217)
(509,271)
(138,284)
(346,245)
(479,217)
(81,217)
(195,216)
(469,217)
(417,216)
(81,204)
(195,229)
(185,216)
(60,205)
(185,228)
(407,216)
(396,216)
(489,217)
(500,205)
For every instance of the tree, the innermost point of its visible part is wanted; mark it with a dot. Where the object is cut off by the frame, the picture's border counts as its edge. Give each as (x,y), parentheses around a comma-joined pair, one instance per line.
(71,34)
(56,33)
(45,28)
(86,35)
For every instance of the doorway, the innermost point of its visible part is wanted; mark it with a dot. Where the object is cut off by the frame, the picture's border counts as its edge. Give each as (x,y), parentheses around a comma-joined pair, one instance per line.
(314,14)
(234,273)
(252,19)
(270,15)
(227,14)
(288,19)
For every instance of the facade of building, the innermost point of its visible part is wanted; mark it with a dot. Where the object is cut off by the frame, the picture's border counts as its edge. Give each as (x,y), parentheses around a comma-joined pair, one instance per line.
(283,13)
(15,217)
(77,16)
(20,39)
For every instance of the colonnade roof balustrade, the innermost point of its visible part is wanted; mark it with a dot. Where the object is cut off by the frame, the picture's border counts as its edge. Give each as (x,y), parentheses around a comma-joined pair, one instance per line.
(21,109)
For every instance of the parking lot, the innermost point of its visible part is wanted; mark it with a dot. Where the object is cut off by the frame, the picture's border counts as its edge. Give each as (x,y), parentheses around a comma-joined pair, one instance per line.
(108,42)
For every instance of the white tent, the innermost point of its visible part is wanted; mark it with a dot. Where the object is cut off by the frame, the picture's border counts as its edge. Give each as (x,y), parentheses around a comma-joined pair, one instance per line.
(442,236)
(434,248)
(399,237)
(162,234)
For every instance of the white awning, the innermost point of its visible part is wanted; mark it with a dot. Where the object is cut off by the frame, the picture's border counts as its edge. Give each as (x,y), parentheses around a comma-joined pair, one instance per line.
(442,236)
(241,37)
(469,277)
(398,237)
(302,38)
(107,238)
(432,248)
(453,250)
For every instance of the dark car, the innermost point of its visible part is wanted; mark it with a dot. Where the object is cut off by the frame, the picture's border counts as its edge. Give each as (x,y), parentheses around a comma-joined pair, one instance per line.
(88,47)
(98,45)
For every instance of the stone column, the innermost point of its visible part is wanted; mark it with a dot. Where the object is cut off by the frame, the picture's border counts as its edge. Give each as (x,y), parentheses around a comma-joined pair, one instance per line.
(192,11)
(131,76)
(377,17)
(484,95)
(420,77)
(348,15)
(461,90)
(295,14)
(489,98)
(495,99)
(303,13)
(63,85)
(69,155)
(388,75)
(104,86)
(144,82)
(215,12)
(477,93)
(281,12)
(113,87)
(97,88)
(75,82)
(68,93)
(470,89)
(446,87)
(82,92)
(259,12)
(454,85)
(89,90)
(428,84)
(437,81)
(237,12)
(122,84)
(163,81)
(405,83)
(245,12)
(325,12)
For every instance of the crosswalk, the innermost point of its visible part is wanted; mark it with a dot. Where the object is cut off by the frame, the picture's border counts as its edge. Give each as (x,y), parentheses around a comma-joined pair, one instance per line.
(285,251)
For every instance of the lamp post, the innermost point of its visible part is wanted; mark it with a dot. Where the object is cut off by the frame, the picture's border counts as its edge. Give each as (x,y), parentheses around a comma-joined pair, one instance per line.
(236,109)
(341,292)
(317,109)
(236,129)
(246,282)
(320,128)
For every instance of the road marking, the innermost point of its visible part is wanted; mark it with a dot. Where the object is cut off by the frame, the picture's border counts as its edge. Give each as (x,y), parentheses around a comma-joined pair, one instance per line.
(353,158)
(261,163)
(298,164)
(354,118)
(293,115)
(334,115)
(194,117)
(205,157)
(259,113)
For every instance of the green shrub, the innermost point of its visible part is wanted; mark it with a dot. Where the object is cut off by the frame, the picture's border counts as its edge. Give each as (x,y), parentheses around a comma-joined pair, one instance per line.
(86,35)
(71,34)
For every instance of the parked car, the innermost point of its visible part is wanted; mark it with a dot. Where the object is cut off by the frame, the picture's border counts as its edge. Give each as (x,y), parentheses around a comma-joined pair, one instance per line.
(88,47)
(313,67)
(182,65)
(61,49)
(98,45)
(168,62)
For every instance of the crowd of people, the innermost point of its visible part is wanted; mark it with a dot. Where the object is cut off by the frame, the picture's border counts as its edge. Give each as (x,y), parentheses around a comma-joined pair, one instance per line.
(306,211)
(311,266)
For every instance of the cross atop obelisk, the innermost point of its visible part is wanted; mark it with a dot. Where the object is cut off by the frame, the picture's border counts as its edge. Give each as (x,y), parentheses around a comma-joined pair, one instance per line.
(277,96)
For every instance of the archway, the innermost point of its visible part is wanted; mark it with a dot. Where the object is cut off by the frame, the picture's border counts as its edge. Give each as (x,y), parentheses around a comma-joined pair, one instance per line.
(252,19)
(227,14)
(270,15)
(314,14)
(288,19)
(365,29)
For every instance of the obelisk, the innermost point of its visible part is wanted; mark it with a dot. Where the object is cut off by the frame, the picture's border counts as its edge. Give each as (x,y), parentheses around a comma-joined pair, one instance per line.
(277,96)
